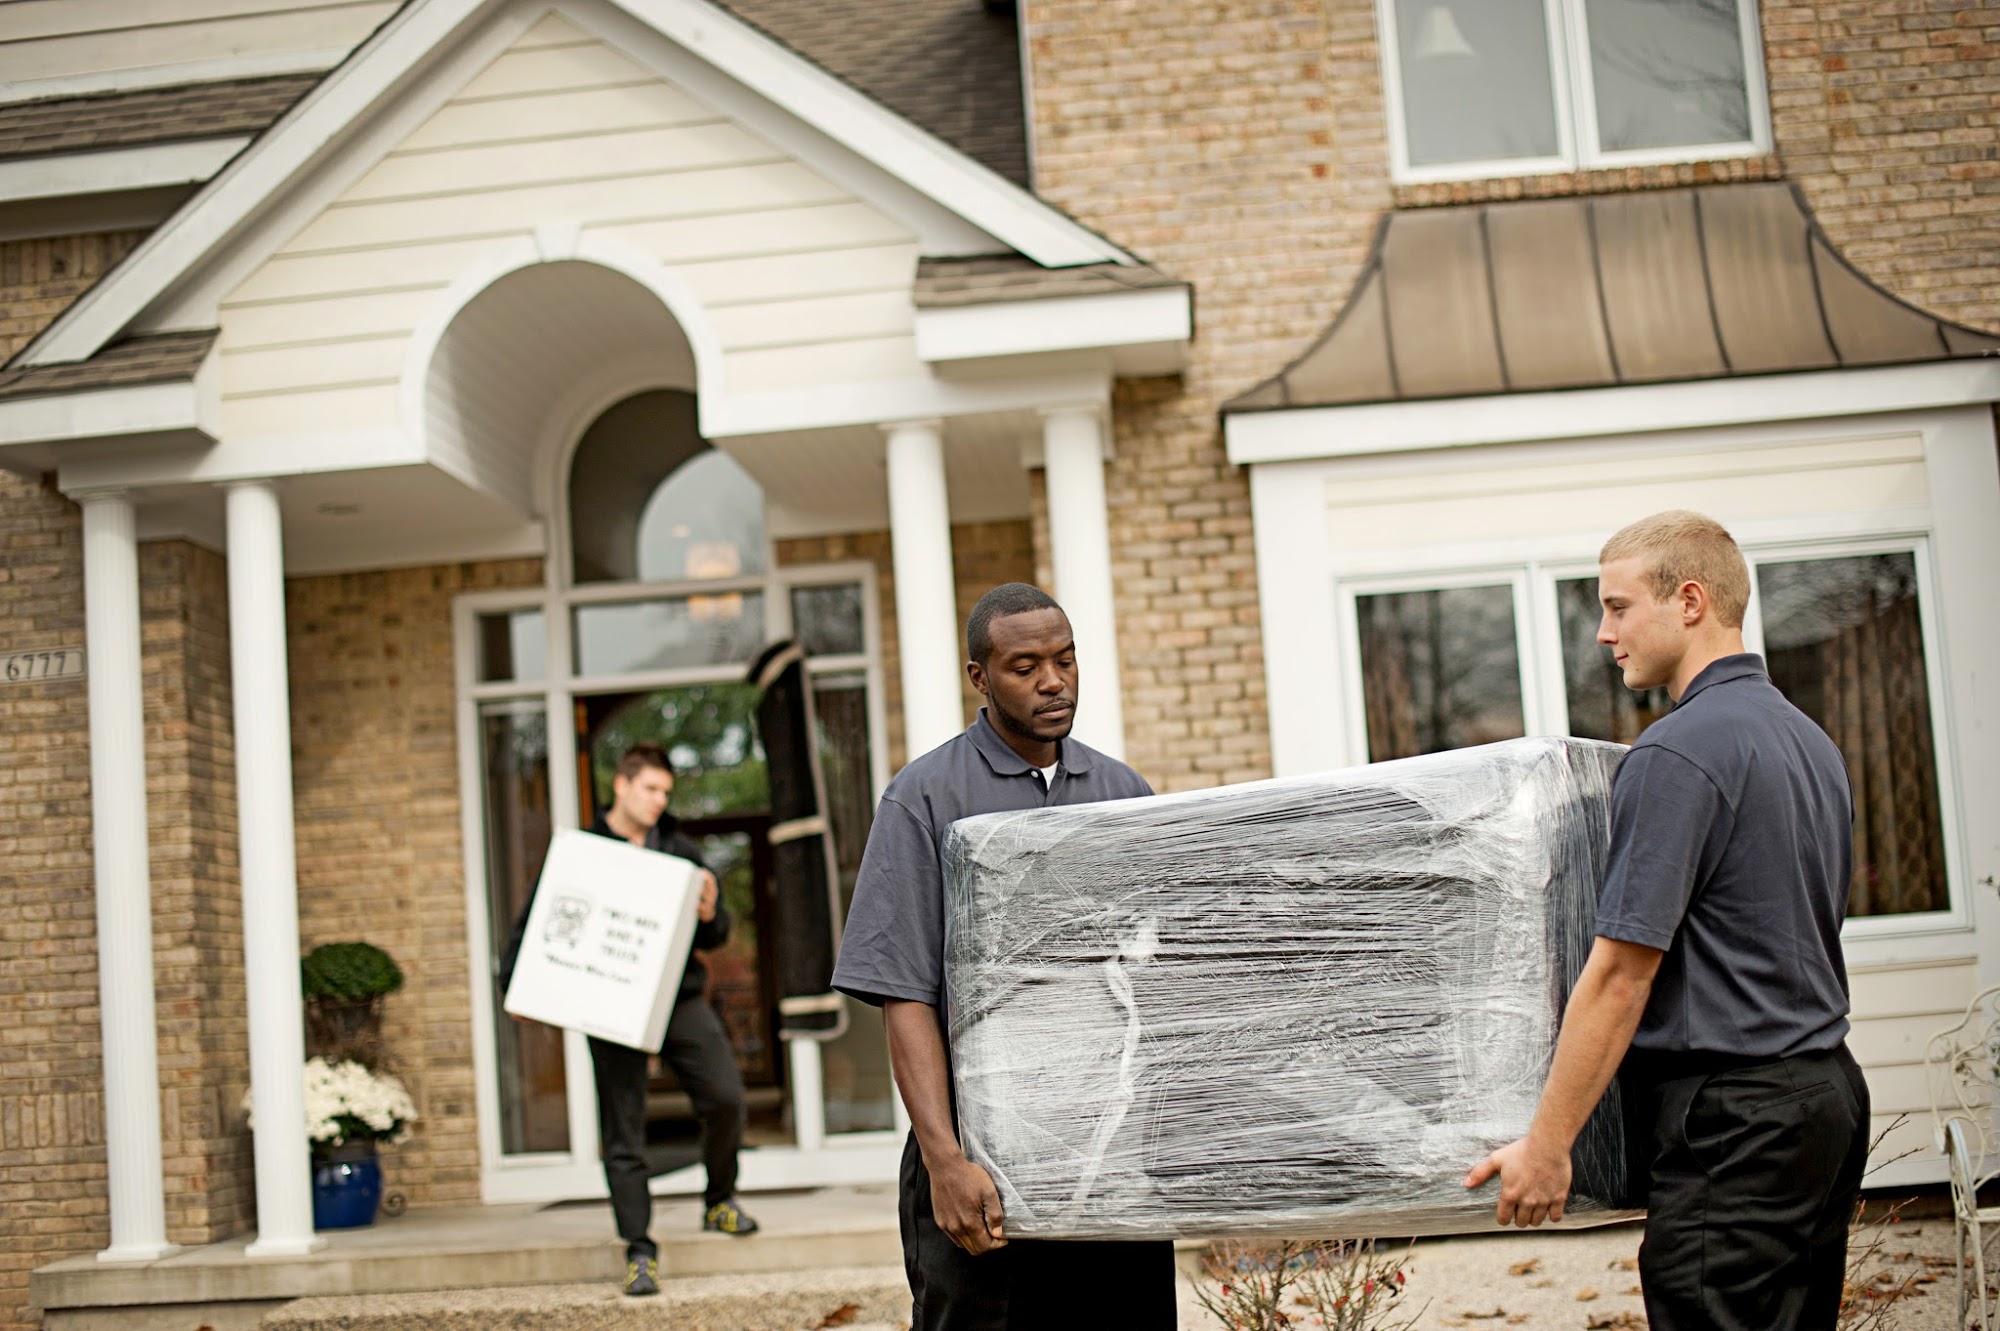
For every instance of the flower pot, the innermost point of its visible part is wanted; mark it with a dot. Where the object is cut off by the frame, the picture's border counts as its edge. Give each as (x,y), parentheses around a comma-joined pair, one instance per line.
(347,1186)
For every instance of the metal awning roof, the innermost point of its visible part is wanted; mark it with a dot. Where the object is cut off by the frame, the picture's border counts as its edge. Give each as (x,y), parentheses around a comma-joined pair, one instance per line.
(1652,287)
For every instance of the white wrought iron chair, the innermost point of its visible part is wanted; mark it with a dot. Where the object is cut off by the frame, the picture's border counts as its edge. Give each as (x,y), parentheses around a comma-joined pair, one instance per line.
(1960,1068)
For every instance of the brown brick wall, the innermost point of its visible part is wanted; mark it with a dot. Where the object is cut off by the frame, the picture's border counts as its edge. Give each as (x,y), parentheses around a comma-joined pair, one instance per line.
(1207,137)
(52,1197)
(1887,113)
(983,555)
(52,1167)
(1242,144)
(197,892)
(380,850)
(38,278)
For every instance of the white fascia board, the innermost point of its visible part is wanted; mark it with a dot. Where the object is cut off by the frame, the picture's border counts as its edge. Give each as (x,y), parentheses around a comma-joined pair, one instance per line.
(890,400)
(142,411)
(1058,323)
(852,118)
(220,210)
(262,458)
(262,65)
(68,175)
(1286,435)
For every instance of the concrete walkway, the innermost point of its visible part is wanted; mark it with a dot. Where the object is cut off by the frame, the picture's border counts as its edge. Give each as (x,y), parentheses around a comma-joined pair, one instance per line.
(822,1250)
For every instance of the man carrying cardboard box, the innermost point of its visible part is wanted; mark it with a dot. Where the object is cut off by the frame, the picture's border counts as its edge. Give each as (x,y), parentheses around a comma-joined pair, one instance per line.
(964,1275)
(696,1046)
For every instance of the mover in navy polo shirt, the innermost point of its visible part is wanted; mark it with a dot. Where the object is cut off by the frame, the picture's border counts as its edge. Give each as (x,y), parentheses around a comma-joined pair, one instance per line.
(1717,962)
(964,1274)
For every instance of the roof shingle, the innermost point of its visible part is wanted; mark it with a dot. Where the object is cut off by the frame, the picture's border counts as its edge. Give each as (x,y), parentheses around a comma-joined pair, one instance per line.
(1002,277)
(147,115)
(951,66)
(154,358)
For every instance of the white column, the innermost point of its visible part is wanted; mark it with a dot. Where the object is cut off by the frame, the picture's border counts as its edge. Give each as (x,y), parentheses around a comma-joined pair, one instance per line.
(927,627)
(260,681)
(124,880)
(1080,548)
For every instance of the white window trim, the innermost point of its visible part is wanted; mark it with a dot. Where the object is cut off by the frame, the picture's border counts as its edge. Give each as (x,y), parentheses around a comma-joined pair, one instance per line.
(1545,703)
(1355,694)
(1575,101)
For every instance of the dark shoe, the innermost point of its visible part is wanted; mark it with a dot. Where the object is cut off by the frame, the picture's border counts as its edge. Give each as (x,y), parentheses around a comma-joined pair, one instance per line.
(728,1218)
(642,1276)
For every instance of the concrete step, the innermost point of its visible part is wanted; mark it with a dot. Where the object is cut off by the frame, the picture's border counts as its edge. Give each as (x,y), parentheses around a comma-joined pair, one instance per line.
(871,1298)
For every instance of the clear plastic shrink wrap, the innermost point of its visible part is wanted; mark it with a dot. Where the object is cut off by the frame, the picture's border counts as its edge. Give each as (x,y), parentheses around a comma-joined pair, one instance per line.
(1303,1006)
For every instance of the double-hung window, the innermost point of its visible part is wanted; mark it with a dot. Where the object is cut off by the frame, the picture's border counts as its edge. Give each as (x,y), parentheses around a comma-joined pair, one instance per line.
(1847,633)
(1522,87)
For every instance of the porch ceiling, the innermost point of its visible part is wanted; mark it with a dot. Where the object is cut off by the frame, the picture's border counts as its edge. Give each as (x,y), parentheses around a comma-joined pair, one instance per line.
(821,482)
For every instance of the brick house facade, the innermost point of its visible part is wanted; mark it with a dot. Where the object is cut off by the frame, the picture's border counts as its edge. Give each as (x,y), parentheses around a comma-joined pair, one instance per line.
(1241,148)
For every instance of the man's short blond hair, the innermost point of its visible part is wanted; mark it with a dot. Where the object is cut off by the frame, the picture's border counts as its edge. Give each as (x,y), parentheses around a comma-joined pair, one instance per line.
(1679,547)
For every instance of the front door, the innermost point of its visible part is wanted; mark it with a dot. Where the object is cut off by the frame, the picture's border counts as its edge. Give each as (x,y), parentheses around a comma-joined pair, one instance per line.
(721,797)
(820,1112)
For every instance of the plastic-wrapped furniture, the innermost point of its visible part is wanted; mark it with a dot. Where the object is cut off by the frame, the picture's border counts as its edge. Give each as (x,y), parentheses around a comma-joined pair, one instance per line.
(1962,1068)
(1296,1006)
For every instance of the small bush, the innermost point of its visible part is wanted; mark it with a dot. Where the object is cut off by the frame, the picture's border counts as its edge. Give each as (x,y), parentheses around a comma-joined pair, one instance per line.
(348,973)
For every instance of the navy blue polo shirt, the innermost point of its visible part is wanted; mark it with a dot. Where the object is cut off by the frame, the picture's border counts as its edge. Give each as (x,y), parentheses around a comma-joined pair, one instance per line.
(1731,851)
(893,944)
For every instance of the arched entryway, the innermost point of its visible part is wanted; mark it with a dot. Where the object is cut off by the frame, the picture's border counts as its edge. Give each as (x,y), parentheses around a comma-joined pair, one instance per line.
(662,584)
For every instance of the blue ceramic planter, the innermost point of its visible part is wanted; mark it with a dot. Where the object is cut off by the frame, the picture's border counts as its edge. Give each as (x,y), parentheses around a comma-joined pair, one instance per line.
(347,1187)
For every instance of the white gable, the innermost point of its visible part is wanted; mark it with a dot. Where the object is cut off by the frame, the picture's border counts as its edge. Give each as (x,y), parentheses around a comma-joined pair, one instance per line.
(771,129)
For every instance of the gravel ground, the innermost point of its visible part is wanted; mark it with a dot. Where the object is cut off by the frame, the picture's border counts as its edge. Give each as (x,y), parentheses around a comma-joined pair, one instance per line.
(1578,1280)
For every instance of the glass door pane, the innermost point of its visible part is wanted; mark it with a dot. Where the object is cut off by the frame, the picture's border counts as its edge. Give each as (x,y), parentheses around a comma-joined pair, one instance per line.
(514,759)
(1600,706)
(627,637)
(1844,640)
(721,798)
(855,1067)
(1439,669)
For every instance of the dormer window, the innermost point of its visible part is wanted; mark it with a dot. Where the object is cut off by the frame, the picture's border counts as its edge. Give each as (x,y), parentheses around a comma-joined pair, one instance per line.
(1484,88)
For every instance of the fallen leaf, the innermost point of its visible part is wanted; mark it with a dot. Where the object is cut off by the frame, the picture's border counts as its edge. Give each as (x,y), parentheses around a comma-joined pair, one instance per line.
(1517,1319)
(844,1315)
(1586,1294)
(1540,1284)
(1493,1316)
(1527,1268)
(1636,1291)
(1616,1322)
(1626,1264)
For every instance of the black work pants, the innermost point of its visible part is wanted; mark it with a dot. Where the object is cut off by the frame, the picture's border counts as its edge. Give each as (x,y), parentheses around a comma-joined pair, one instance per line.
(1753,1173)
(697,1049)
(1031,1284)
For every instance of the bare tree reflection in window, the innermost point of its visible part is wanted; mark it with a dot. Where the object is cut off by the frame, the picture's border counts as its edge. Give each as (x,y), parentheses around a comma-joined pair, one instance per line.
(1845,643)
(1668,73)
(1600,706)
(1440,670)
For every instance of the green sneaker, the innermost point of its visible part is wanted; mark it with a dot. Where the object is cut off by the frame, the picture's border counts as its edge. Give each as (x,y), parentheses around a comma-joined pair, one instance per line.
(642,1276)
(728,1218)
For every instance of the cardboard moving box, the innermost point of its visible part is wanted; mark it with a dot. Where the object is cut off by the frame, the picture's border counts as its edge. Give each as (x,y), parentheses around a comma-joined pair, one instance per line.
(607,939)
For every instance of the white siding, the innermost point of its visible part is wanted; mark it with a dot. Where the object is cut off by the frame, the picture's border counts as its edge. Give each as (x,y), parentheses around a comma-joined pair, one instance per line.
(1496,502)
(1896,1011)
(804,283)
(46,40)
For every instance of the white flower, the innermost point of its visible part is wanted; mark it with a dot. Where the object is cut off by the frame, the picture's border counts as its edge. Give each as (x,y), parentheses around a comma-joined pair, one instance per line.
(345,1101)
